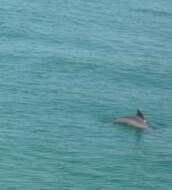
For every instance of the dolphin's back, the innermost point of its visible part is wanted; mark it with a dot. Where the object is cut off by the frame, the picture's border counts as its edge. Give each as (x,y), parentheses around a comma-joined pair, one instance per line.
(132,120)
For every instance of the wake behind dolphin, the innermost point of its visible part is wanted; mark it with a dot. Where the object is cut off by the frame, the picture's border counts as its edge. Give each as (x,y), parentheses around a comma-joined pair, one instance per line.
(135,120)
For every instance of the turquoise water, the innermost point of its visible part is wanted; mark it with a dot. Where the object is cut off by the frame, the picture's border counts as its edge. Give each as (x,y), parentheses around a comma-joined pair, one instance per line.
(67,69)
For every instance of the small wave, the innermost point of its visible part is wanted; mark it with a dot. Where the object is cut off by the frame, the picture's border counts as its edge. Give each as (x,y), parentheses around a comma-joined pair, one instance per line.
(153,12)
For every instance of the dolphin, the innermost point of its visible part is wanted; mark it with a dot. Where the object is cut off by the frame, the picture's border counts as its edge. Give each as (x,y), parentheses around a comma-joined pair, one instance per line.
(137,120)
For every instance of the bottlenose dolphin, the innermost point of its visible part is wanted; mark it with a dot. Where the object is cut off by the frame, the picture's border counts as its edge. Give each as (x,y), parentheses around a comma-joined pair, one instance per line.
(135,120)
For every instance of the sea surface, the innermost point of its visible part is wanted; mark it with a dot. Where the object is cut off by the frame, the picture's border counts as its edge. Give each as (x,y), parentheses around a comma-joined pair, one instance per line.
(68,68)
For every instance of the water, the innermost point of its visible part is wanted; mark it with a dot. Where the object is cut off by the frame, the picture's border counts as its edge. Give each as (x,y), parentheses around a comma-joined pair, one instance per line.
(67,69)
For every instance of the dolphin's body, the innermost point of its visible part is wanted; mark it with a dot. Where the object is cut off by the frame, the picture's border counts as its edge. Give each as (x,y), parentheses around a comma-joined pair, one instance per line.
(135,120)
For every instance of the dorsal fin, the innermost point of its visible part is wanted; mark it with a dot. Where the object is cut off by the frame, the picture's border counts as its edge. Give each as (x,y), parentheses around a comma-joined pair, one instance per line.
(140,114)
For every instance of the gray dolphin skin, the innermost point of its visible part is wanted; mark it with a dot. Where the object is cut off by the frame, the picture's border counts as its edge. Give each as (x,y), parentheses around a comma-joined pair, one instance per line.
(137,120)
